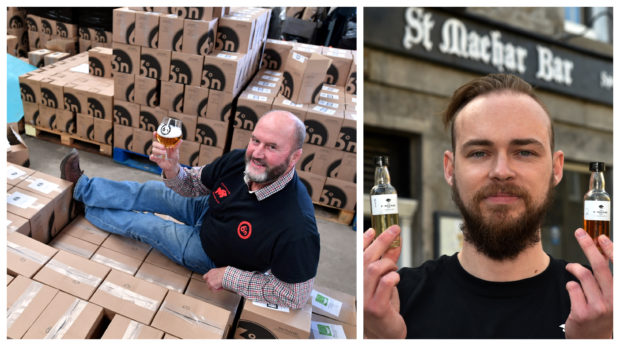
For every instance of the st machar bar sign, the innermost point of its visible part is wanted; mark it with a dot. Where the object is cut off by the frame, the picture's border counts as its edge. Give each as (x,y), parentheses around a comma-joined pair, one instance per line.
(472,45)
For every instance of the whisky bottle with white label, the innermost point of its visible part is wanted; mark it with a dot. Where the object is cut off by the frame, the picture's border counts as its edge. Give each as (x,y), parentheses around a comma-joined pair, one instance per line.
(383,200)
(597,203)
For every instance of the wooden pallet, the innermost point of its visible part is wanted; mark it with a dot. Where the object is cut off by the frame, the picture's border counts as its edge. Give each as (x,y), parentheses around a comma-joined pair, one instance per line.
(329,213)
(68,139)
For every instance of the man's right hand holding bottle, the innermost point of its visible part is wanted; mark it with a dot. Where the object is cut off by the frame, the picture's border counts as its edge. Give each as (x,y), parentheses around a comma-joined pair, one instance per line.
(381,302)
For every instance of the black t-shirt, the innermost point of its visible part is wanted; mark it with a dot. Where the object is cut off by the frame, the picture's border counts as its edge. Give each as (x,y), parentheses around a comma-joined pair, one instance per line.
(277,233)
(441,300)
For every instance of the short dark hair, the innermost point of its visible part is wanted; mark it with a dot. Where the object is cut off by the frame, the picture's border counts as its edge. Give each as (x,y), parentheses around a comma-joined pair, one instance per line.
(495,82)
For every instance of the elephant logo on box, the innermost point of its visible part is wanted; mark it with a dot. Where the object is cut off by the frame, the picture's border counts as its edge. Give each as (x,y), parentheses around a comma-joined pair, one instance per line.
(213,77)
(332,169)
(95,67)
(95,108)
(352,84)
(121,115)
(149,66)
(205,43)
(72,103)
(188,12)
(129,93)
(180,72)
(46,27)
(32,24)
(202,108)
(287,87)
(154,37)
(27,93)
(16,22)
(48,98)
(272,59)
(148,121)
(316,132)
(206,135)
(130,34)
(306,163)
(245,118)
(253,330)
(84,33)
(152,97)
(177,103)
(61,30)
(227,39)
(177,41)
(100,36)
(347,139)
(333,196)
(121,62)
(332,75)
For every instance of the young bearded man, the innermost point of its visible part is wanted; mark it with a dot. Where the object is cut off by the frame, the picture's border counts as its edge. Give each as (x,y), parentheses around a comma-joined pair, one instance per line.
(245,213)
(502,170)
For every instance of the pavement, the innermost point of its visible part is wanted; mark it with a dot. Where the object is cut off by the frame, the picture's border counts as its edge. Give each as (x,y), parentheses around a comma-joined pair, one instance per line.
(337,268)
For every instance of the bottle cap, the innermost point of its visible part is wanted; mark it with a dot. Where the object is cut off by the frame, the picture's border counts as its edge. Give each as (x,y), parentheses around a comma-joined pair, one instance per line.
(381,161)
(597,166)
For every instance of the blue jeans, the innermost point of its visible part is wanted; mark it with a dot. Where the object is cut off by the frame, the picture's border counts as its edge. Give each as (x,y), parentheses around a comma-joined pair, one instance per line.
(126,208)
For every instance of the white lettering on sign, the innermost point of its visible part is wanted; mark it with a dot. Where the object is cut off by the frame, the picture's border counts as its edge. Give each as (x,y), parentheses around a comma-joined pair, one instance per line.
(552,68)
(607,80)
(418,28)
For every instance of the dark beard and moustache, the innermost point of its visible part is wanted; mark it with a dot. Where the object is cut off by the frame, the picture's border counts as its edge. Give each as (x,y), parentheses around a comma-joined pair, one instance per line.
(497,235)
(271,174)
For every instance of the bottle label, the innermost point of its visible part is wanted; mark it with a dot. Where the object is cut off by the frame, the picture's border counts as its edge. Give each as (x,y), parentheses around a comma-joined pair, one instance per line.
(384,204)
(597,210)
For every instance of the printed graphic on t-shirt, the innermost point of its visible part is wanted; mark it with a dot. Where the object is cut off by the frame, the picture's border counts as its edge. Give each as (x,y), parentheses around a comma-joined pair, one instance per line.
(244,230)
(220,193)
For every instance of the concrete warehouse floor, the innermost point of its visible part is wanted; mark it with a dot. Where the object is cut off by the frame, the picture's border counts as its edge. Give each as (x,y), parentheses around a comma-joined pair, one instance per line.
(337,268)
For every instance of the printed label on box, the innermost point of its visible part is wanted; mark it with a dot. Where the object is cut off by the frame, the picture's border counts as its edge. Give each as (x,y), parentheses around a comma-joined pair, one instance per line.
(334,90)
(326,303)
(321,330)
(328,104)
(227,56)
(14,172)
(43,186)
(301,58)
(289,103)
(273,73)
(261,90)
(257,97)
(329,96)
(267,84)
(273,79)
(324,110)
(20,200)
(272,306)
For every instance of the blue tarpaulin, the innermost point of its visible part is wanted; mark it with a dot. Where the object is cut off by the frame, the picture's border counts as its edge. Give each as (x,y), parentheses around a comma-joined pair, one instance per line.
(14,68)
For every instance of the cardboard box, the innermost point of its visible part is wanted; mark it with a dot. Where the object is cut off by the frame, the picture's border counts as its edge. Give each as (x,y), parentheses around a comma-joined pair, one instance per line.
(46,118)
(72,274)
(33,22)
(261,321)
(150,118)
(126,113)
(334,304)
(58,191)
(66,30)
(314,159)
(123,328)
(37,209)
(172,96)
(124,294)
(34,41)
(85,126)
(147,91)
(36,58)
(208,154)
(338,71)
(162,277)
(250,107)
(235,34)
(303,76)
(83,229)
(125,58)
(339,194)
(17,151)
(222,298)
(313,183)
(65,121)
(170,32)
(73,245)
(351,86)
(326,328)
(26,299)
(116,260)
(86,45)
(220,105)
(66,317)
(346,170)
(100,100)
(54,57)
(103,132)
(186,68)
(25,255)
(188,153)
(123,25)
(211,132)
(190,318)
(99,37)
(128,246)
(222,71)
(275,54)
(323,125)
(188,124)
(195,101)
(100,62)
(30,87)
(155,63)
(123,137)
(147,29)
(52,91)
(74,95)
(240,139)
(157,258)
(199,36)
(16,173)
(347,138)
(17,224)
(31,112)
(124,87)
(12,45)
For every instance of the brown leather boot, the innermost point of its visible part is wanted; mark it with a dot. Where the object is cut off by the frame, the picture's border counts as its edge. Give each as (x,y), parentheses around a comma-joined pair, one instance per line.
(70,166)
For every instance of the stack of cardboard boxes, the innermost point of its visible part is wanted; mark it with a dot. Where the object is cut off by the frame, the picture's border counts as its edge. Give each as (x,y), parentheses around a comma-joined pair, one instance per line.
(46,33)
(317,84)
(66,98)
(17,33)
(186,63)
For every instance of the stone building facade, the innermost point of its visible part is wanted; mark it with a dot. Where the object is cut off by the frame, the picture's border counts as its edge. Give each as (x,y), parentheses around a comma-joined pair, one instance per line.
(414,59)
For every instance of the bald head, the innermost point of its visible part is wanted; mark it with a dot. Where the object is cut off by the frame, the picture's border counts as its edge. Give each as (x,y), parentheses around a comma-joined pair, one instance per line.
(288,125)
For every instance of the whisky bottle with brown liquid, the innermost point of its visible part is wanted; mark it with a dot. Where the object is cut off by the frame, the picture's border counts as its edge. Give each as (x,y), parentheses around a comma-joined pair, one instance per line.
(597,203)
(383,200)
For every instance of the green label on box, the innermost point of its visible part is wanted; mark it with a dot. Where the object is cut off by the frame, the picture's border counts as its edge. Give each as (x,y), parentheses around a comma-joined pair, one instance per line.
(324,330)
(321,299)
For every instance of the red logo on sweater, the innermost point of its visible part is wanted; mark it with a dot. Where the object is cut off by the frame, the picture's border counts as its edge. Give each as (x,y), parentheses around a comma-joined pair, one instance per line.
(220,193)
(244,230)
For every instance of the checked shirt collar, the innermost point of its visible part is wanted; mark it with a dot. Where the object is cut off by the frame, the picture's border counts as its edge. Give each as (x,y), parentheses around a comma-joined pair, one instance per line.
(271,188)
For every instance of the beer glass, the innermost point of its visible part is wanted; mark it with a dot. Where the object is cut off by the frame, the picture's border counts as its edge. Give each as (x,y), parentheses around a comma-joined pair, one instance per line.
(169,132)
